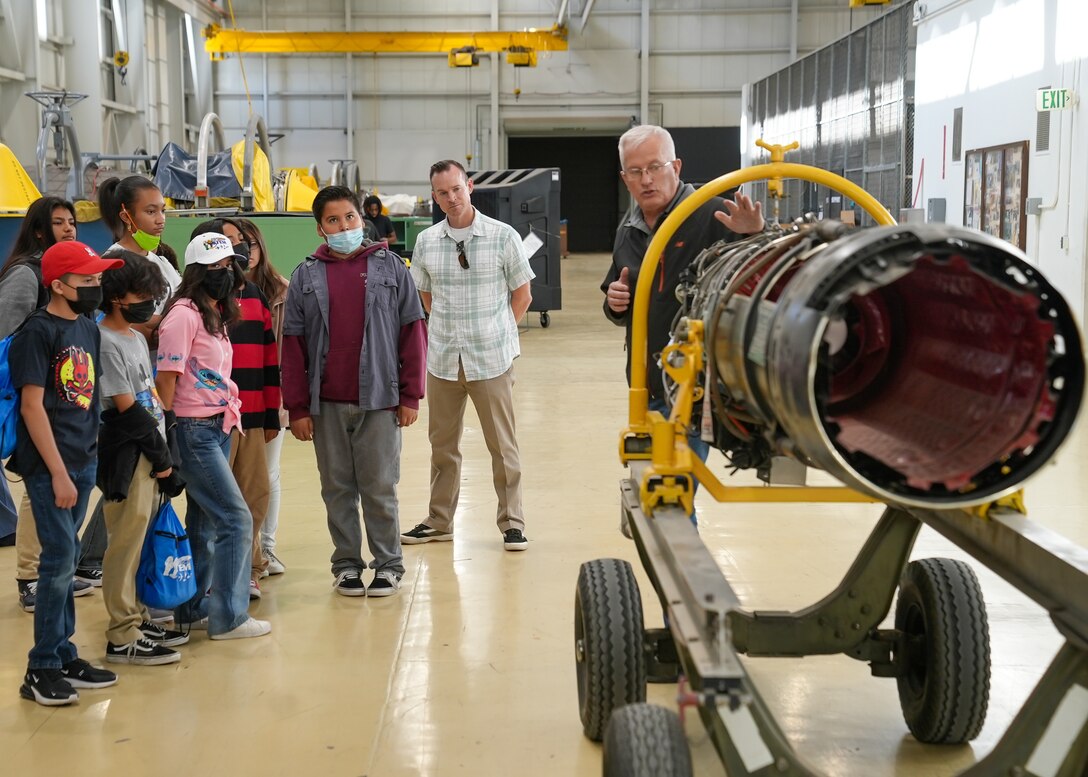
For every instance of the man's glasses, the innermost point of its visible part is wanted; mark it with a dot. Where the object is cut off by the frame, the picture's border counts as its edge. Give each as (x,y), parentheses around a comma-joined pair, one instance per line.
(461,254)
(637,172)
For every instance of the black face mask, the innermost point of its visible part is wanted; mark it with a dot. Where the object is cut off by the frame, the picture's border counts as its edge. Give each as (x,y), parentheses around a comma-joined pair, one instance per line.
(87,300)
(139,312)
(242,249)
(219,283)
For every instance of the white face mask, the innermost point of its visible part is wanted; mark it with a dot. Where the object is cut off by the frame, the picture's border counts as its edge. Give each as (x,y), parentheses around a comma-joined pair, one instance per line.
(345,242)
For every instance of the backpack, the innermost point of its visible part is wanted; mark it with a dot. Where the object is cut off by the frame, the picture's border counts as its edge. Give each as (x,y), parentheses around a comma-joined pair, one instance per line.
(9,401)
(165,578)
(9,395)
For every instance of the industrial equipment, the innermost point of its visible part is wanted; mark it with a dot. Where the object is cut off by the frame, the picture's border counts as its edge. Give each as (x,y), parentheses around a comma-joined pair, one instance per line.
(928,367)
(527,200)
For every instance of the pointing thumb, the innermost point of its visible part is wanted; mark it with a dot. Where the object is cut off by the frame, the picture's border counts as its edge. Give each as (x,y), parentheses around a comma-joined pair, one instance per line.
(623,277)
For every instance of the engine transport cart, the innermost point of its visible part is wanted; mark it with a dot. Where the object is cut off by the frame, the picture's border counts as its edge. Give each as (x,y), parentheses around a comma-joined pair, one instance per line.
(810,351)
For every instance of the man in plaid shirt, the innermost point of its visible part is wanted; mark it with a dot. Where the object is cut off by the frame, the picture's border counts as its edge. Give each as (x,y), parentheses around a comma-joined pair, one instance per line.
(473,277)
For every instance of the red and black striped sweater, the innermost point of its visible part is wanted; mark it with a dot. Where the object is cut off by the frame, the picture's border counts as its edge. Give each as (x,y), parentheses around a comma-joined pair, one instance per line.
(256,367)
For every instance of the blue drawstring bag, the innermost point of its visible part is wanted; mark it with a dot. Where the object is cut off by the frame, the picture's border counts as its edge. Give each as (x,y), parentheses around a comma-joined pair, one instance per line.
(165,577)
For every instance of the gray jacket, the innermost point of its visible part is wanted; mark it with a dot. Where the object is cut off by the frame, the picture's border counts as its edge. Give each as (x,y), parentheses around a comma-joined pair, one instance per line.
(19,297)
(391,302)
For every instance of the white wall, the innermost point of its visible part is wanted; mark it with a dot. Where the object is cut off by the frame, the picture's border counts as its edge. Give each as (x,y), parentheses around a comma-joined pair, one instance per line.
(989,57)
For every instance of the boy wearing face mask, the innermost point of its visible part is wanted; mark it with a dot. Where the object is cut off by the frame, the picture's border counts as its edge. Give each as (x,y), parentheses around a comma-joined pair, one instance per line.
(354,353)
(54,363)
(134,460)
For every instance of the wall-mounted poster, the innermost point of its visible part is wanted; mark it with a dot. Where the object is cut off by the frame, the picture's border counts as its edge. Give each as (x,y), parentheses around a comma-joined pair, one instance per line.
(972,191)
(994,190)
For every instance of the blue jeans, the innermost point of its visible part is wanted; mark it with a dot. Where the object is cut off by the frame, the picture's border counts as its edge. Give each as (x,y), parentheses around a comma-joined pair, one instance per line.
(58,532)
(219,524)
(698,445)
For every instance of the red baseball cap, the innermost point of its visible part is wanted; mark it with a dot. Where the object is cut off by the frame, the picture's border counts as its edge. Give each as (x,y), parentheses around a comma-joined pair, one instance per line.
(70,256)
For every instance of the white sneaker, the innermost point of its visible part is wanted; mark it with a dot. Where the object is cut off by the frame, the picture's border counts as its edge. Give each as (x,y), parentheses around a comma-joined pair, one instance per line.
(275,566)
(200,625)
(254,590)
(250,628)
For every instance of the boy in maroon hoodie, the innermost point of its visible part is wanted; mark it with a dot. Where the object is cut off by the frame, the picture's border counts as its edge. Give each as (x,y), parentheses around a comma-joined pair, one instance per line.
(353,373)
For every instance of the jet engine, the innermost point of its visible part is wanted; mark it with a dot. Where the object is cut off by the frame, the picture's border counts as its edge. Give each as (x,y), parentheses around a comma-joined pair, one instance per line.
(923,364)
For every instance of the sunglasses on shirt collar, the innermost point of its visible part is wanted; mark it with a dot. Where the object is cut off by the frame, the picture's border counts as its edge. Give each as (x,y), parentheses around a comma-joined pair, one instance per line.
(461,258)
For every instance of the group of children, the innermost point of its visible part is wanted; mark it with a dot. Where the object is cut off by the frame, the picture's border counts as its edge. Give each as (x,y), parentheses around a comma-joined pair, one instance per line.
(181,375)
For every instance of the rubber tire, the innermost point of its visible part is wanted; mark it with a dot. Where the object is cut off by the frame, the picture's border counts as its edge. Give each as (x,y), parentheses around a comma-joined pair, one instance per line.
(944,686)
(610,663)
(645,740)
(545,320)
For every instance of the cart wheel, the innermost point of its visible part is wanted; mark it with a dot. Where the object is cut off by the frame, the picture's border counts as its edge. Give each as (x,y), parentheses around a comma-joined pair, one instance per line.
(607,642)
(645,740)
(944,684)
(545,319)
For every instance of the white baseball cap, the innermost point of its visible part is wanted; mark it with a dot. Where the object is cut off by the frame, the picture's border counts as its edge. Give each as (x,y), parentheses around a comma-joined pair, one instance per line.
(209,248)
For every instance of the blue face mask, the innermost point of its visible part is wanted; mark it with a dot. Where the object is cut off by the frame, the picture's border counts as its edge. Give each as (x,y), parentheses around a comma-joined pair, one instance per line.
(345,242)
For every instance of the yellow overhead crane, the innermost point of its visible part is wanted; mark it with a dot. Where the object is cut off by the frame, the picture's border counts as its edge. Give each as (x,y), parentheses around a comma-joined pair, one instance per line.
(461,47)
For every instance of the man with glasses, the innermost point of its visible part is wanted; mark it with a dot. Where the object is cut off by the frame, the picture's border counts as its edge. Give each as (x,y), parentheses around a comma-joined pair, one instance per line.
(651,172)
(473,277)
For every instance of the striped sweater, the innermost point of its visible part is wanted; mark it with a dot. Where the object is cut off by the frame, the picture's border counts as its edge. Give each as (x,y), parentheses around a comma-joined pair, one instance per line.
(256,367)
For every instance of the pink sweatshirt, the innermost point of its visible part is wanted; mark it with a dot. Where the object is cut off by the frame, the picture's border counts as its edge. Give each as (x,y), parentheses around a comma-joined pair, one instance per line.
(204,386)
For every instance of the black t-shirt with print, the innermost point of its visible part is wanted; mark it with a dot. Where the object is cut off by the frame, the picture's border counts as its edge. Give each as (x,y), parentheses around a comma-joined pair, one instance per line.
(60,355)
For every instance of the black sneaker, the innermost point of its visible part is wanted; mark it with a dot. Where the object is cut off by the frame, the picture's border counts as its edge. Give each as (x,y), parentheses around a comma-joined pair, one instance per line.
(91,576)
(513,539)
(349,583)
(81,674)
(153,632)
(48,687)
(142,652)
(424,533)
(28,594)
(385,583)
(81,588)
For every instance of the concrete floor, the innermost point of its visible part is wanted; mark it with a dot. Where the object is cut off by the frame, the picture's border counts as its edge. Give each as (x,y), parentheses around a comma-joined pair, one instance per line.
(470,669)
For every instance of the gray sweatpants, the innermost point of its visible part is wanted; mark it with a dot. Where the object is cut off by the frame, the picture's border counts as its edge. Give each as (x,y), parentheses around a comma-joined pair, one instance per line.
(358,459)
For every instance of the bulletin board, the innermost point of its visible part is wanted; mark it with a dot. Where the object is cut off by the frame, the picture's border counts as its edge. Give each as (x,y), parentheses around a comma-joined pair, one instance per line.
(995,190)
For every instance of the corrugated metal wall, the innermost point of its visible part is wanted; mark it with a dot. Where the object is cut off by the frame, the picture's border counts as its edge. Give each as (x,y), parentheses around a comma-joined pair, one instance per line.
(850,106)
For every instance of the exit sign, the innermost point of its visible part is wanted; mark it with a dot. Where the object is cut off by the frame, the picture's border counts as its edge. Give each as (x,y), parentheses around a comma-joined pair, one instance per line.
(1053,99)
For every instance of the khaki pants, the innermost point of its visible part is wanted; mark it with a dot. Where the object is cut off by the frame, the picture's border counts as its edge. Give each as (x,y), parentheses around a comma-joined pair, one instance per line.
(249,464)
(27,547)
(126,528)
(494,403)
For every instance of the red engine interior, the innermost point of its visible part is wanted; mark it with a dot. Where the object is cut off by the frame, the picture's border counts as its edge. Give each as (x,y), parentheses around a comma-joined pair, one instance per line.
(943,374)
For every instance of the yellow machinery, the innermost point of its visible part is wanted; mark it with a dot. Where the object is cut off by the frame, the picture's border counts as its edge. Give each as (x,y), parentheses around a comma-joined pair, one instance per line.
(928,367)
(462,47)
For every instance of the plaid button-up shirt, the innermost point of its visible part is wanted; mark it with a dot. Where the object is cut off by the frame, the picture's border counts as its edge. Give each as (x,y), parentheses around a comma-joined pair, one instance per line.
(471,319)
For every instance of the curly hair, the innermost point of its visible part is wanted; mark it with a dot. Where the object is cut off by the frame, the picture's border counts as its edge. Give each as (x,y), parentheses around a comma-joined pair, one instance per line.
(138,276)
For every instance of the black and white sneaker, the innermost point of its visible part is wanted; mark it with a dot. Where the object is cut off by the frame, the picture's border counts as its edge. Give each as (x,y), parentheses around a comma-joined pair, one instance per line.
(80,674)
(91,576)
(349,583)
(513,539)
(81,587)
(153,632)
(48,687)
(424,533)
(385,583)
(141,652)
(28,594)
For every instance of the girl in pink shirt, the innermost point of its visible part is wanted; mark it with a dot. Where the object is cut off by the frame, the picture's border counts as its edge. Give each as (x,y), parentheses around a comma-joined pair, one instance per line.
(194,363)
